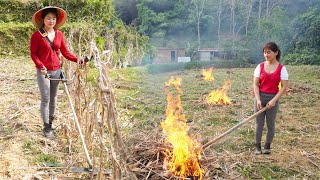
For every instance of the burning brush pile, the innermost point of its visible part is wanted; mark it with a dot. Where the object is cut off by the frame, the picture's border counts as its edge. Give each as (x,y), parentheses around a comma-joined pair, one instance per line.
(177,155)
(216,97)
(184,157)
(220,97)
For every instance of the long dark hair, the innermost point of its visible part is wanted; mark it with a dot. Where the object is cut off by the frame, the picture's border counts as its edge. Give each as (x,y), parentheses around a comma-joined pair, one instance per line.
(273,47)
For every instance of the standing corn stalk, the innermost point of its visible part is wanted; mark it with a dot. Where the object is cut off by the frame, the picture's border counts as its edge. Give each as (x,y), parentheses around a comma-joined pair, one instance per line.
(95,106)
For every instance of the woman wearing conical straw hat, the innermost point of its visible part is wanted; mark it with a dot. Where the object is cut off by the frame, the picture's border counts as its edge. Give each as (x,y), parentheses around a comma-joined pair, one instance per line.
(46,47)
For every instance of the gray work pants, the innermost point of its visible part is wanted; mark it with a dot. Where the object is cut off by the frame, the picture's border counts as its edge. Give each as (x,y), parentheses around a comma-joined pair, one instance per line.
(269,116)
(48,90)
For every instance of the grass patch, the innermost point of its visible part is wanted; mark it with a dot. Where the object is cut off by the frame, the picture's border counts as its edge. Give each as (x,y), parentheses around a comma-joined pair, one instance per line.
(266,171)
(48,160)
(30,147)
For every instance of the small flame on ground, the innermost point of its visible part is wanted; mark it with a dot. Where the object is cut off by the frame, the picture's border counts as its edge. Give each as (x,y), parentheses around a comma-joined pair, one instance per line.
(183,160)
(207,74)
(219,97)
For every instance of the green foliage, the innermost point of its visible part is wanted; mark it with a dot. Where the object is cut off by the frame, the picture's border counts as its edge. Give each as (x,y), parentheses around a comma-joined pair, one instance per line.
(307,30)
(162,21)
(193,65)
(98,11)
(303,56)
(17,11)
(306,41)
(175,25)
(15,38)
(100,42)
(93,75)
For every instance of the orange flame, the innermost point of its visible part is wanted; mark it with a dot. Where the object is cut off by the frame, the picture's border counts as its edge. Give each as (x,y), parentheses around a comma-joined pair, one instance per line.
(279,86)
(184,159)
(219,97)
(207,74)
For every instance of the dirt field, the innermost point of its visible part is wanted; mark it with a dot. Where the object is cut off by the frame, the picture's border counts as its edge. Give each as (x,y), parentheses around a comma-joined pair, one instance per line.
(22,146)
(141,98)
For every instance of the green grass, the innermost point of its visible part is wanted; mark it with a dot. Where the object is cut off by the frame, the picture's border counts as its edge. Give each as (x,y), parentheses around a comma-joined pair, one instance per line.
(48,160)
(29,147)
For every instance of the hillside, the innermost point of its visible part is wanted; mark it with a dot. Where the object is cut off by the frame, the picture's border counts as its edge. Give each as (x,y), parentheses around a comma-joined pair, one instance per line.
(141,104)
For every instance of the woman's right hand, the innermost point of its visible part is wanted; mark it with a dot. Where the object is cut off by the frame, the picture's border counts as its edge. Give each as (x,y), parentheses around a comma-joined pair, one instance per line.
(43,70)
(259,104)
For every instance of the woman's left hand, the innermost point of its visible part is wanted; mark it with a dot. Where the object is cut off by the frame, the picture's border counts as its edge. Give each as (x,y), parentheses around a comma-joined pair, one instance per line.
(81,63)
(271,104)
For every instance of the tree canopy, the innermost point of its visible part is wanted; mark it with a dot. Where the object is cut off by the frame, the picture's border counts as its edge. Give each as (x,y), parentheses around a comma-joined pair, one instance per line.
(231,24)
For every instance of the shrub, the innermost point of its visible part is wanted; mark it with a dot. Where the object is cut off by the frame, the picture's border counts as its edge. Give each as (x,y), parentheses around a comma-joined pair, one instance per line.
(193,65)
(15,37)
(304,57)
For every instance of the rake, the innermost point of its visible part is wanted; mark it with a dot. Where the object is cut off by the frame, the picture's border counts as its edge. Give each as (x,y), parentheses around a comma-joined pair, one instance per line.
(233,128)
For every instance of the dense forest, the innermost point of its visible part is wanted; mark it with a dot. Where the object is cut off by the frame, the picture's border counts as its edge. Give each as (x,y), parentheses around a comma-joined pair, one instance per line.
(235,25)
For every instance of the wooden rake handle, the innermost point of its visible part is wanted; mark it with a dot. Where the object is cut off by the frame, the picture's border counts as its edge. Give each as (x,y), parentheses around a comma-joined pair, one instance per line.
(232,129)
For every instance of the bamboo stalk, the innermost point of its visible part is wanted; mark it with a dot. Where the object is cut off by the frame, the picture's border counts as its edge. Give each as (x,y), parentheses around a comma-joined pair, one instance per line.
(208,144)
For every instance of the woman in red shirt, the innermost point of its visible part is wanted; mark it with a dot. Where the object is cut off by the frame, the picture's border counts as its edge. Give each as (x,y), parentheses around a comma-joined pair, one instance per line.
(267,77)
(46,46)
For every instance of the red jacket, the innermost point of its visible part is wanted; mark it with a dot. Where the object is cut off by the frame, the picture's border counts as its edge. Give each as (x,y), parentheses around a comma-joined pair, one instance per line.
(269,81)
(42,53)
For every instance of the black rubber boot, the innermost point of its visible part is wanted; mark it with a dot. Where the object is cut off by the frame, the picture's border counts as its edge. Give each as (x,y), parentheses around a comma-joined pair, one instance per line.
(267,148)
(258,148)
(47,132)
(51,119)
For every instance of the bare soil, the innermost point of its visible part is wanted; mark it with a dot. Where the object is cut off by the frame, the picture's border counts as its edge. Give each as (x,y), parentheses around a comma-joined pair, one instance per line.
(19,116)
(22,144)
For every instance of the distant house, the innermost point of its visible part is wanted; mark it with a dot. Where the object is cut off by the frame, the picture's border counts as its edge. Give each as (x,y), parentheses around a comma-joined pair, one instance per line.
(168,55)
(208,54)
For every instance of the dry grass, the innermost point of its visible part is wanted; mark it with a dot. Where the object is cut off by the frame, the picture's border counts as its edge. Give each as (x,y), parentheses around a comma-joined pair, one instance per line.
(141,107)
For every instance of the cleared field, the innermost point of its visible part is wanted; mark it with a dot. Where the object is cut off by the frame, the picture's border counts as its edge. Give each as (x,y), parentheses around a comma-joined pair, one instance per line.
(141,104)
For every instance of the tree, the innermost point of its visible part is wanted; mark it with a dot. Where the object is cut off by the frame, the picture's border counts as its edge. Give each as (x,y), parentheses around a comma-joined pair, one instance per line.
(248,5)
(127,10)
(219,14)
(199,6)
(305,46)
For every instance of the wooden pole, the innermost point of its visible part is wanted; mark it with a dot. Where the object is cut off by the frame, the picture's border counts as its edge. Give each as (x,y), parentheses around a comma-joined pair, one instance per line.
(233,128)
(78,125)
